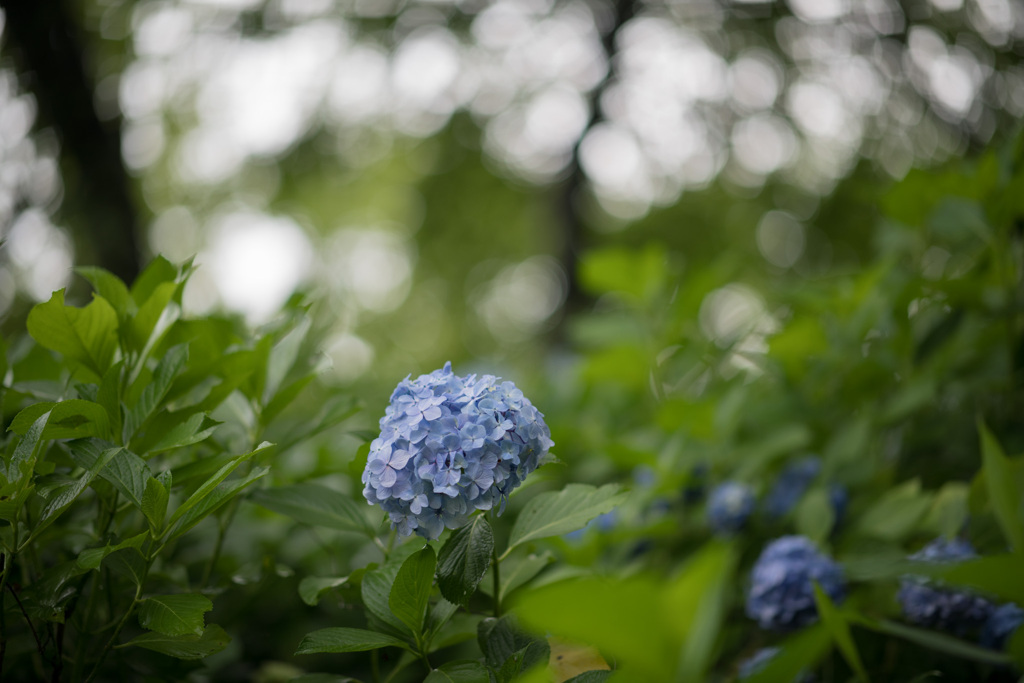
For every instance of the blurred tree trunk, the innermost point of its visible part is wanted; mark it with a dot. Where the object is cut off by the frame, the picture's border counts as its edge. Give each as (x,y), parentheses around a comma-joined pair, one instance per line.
(569,198)
(48,50)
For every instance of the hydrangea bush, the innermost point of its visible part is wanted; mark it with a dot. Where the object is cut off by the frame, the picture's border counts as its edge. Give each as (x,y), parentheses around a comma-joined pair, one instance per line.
(450,445)
(729,507)
(934,606)
(781,595)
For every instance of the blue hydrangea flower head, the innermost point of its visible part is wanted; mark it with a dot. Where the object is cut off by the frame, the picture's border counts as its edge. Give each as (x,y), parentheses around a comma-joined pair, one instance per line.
(756,663)
(1003,621)
(729,507)
(781,595)
(451,445)
(929,604)
(793,482)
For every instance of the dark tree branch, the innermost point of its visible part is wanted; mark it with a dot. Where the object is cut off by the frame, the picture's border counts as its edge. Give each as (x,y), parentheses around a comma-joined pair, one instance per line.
(46,45)
(569,196)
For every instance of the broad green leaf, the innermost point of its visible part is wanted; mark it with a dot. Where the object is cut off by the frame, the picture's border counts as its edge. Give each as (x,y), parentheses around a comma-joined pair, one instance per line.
(87,336)
(339,639)
(282,357)
(156,272)
(109,396)
(312,587)
(210,484)
(799,654)
(126,471)
(145,322)
(639,634)
(411,589)
(173,430)
(439,615)
(940,642)
(316,505)
(91,558)
(557,513)
(949,511)
(66,495)
(501,638)
(129,563)
(175,615)
(218,497)
(376,592)
(835,623)
(23,459)
(897,513)
(815,516)
(109,286)
(189,646)
(1002,489)
(72,419)
(517,571)
(464,559)
(459,672)
(154,505)
(998,575)
(157,387)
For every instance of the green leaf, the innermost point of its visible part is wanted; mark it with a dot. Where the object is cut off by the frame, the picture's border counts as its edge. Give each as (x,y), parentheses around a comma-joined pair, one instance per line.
(220,495)
(312,587)
(156,389)
(23,460)
(339,639)
(501,638)
(798,654)
(154,505)
(92,557)
(517,571)
(459,672)
(174,615)
(557,513)
(1002,489)
(129,563)
(376,592)
(282,357)
(210,484)
(126,471)
(316,505)
(998,575)
(840,630)
(411,589)
(156,272)
(464,559)
(109,396)
(173,430)
(897,513)
(590,677)
(66,494)
(87,336)
(189,646)
(815,516)
(109,286)
(939,642)
(696,599)
(71,419)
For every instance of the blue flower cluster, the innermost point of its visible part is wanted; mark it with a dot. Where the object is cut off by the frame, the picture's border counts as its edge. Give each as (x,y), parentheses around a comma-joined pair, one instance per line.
(729,507)
(449,446)
(927,604)
(1001,625)
(781,595)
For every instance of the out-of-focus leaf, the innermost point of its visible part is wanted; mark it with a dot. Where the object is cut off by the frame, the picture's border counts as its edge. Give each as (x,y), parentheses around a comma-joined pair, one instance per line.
(459,672)
(220,495)
(517,571)
(188,646)
(570,661)
(1003,493)
(559,512)
(835,623)
(939,642)
(339,639)
(87,336)
(175,615)
(897,513)
(312,587)
(815,516)
(799,654)
(316,505)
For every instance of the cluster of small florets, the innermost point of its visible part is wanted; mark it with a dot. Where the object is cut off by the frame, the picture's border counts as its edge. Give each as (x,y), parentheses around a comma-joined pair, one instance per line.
(449,446)
(793,482)
(927,604)
(729,507)
(1001,624)
(781,593)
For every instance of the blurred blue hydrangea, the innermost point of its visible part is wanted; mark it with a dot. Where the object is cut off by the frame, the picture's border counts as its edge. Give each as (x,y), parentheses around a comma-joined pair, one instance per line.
(781,595)
(1001,624)
(729,507)
(839,497)
(927,604)
(793,482)
(449,446)
(759,660)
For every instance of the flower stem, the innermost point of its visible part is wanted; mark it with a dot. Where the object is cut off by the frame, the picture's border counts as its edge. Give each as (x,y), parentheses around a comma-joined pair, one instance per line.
(495,563)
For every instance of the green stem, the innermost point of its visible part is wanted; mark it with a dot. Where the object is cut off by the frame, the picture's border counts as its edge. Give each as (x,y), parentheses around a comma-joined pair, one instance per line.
(375,665)
(5,559)
(114,635)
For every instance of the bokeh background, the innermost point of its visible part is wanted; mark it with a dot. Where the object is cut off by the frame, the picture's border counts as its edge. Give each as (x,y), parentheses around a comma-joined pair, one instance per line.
(432,171)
